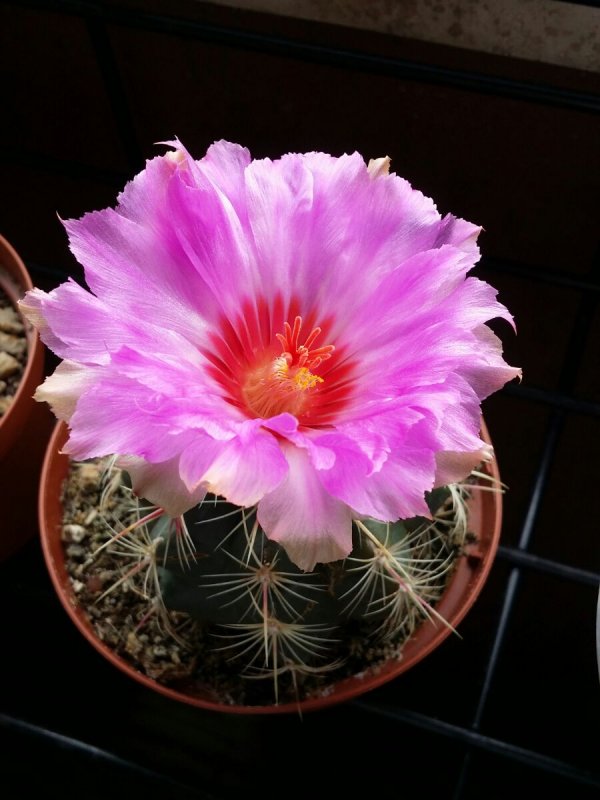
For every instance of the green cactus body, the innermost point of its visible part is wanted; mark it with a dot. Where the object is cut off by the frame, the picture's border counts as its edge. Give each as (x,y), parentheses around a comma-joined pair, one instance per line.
(259,615)
(270,618)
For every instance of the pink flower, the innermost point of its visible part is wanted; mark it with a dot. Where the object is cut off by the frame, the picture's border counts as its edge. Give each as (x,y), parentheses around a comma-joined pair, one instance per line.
(298,334)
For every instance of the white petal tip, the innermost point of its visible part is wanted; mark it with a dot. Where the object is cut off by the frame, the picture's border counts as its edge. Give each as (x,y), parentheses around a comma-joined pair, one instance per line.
(379,166)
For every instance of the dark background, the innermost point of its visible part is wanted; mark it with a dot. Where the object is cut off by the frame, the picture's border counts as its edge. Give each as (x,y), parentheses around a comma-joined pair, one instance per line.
(87,88)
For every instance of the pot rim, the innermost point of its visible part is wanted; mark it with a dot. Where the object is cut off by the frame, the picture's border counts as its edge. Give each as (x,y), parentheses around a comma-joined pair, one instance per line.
(16,281)
(470,574)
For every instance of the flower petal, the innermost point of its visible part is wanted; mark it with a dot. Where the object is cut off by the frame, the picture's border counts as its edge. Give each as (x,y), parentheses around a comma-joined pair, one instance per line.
(303,517)
(244,472)
(453,467)
(118,415)
(161,484)
(58,315)
(224,165)
(64,387)
(215,243)
(387,490)
(425,293)
(244,469)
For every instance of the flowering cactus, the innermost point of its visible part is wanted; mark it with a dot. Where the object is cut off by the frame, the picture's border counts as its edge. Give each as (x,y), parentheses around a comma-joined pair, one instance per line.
(298,338)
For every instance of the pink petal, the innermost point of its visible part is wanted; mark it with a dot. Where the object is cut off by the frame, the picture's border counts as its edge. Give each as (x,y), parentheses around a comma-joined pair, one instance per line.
(453,467)
(224,165)
(279,206)
(161,484)
(213,240)
(63,388)
(426,290)
(244,469)
(132,256)
(160,240)
(304,518)
(118,415)
(486,371)
(72,322)
(394,490)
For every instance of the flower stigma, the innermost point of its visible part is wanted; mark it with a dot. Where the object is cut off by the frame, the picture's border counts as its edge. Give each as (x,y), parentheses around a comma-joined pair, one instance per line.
(286,383)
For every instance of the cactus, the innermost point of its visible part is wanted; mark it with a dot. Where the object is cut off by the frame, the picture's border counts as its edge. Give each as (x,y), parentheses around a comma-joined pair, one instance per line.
(214,575)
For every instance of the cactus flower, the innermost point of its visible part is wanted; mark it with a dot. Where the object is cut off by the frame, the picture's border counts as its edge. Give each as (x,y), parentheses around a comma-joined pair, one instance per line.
(297,334)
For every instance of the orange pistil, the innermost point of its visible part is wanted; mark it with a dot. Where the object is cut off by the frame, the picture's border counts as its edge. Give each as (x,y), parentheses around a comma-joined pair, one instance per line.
(284,384)
(302,355)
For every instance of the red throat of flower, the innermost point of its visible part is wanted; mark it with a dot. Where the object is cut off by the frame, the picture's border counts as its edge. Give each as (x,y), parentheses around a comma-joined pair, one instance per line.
(287,382)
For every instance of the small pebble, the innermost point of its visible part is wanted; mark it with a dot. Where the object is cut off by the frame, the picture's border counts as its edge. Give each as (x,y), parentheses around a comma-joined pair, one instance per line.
(89,476)
(73,533)
(8,364)
(13,345)
(10,321)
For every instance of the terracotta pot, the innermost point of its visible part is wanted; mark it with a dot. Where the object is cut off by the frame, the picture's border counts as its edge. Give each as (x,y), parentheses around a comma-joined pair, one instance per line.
(15,281)
(485,510)
(24,428)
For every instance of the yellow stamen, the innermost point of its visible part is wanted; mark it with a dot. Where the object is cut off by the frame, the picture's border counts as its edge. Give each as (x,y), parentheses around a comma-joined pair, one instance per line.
(284,383)
(304,379)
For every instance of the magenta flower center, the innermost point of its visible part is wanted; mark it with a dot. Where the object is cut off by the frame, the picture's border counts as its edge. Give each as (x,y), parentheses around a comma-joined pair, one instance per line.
(287,382)
(267,366)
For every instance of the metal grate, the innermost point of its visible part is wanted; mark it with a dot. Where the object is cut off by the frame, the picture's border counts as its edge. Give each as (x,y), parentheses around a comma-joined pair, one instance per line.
(468,739)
